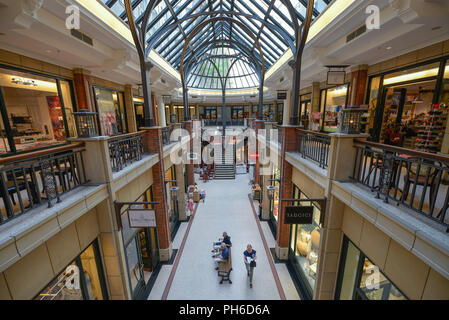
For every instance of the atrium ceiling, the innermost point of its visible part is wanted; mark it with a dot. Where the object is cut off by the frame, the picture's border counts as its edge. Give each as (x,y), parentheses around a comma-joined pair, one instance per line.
(222,49)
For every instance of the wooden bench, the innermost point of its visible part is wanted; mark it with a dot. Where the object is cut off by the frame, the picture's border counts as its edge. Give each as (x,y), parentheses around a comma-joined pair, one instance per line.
(225,268)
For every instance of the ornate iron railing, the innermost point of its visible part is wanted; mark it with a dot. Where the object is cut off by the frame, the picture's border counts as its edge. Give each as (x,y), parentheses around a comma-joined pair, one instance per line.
(125,149)
(314,146)
(27,181)
(167,133)
(417,180)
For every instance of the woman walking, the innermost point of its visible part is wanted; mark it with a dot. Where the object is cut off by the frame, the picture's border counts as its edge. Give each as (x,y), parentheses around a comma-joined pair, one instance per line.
(190,206)
(249,257)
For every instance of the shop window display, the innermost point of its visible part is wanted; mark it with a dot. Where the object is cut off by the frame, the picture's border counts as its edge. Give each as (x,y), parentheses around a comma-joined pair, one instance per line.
(373,98)
(306,106)
(305,245)
(81,280)
(332,101)
(142,252)
(360,279)
(36,111)
(111,111)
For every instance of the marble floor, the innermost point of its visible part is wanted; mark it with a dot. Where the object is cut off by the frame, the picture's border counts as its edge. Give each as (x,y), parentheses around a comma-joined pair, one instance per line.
(227,208)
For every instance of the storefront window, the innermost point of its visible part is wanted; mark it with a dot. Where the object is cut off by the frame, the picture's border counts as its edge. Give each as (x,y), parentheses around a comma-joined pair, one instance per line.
(332,101)
(274,209)
(173,208)
(140,116)
(34,115)
(237,113)
(444,96)
(373,98)
(81,280)
(142,252)
(360,279)
(306,107)
(111,111)
(280,114)
(305,245)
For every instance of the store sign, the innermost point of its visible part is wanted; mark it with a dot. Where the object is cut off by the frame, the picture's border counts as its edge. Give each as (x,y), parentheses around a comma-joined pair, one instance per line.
(253,155)
(282,95)
(141,218)
(336,78)
(298,215)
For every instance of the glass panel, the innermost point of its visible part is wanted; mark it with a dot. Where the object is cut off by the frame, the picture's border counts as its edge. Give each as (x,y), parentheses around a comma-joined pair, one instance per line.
(335,101)
(375,286)
(413,74)
(68,105)
(349,272)
(133,263)
(108,106)
(91,274)
(444,96)
(33,109)
(66,286)
(368,117)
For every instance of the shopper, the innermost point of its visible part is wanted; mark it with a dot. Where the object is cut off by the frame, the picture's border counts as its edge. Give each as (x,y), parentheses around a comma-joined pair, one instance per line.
(190,206)
(249,257)
(260,209)
(222,256)
(226,240)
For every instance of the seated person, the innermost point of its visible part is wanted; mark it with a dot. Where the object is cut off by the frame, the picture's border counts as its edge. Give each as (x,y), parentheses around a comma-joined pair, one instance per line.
(226,240)
(222,256)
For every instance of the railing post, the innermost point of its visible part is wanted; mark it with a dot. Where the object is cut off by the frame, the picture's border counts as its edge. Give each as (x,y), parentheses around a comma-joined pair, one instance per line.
(97,162)
(342,155)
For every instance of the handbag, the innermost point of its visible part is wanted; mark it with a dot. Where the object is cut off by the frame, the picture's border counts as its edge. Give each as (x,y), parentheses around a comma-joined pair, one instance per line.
(252,264)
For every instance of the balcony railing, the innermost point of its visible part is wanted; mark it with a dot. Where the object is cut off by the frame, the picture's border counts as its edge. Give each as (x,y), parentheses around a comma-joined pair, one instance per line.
(125,149)
(167,133)
(314,146)
(417,180)
(27,181)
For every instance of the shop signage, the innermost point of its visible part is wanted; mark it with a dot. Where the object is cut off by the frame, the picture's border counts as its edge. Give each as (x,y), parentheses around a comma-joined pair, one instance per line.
(282,95)
(141,218)
(298,215)
(253,155)
(336,78)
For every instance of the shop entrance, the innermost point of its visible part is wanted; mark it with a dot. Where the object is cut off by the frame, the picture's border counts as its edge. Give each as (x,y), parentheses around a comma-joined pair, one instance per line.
(305,112)
(404,115)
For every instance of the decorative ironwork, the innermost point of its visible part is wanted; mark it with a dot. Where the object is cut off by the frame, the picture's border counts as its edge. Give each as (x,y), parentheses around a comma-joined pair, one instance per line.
(314,146)
(38,180)
(410,178)
(349,120)
(124,150)
(86,124)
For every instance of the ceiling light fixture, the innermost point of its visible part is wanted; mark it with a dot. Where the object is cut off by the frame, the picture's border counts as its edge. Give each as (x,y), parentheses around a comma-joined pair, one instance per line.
(23,81)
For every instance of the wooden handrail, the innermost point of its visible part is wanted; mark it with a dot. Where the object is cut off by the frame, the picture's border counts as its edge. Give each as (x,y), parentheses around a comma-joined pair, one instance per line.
(35,154)
(403,150)
(313,132)
(126,135)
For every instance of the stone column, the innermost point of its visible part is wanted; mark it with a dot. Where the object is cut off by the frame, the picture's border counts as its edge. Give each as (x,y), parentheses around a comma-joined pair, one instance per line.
(180,183)
(155,115)
(259,126)
(197,111)
(341,163)
(285,191)
(188,125)
(153,143)
(357,89)
(315,107)
(130,110)
(286,111)
(161,108)
(111,243)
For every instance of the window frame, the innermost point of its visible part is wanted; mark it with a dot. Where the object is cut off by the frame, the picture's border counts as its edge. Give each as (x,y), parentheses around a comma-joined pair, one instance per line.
(4,113)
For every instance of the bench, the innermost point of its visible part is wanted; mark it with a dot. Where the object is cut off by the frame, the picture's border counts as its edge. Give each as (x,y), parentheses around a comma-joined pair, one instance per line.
(225,268)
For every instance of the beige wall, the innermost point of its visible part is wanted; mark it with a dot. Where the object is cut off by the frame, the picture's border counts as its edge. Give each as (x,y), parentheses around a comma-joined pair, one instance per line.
(135,188)
(431,52)
(312,189)
(26,278)
(412,276)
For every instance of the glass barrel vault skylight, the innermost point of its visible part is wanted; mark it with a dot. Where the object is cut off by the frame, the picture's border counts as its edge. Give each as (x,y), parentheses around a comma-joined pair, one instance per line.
(220,34)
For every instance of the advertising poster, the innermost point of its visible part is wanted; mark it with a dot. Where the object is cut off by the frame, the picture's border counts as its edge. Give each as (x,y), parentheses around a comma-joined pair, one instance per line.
(57,121)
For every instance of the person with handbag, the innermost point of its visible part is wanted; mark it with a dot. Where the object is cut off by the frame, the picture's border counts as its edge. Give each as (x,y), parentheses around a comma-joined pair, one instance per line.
(249,257)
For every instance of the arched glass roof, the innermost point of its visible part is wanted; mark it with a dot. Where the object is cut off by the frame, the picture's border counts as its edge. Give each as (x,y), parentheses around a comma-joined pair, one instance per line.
(269,21)
(220,64)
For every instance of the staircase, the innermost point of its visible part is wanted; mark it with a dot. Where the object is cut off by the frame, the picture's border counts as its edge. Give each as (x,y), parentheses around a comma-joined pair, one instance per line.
(225,164)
